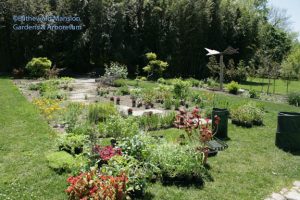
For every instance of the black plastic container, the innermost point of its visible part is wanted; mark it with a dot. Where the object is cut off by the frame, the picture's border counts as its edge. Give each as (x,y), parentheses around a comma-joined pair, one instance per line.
(222,132)
(288,131)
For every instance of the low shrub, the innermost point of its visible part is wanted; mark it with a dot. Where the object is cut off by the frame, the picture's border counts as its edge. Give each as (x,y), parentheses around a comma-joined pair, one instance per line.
(168,103)
(34,86)
(48,107)
(120,83)
(161,81)
(117,126)
(37,67)
(212,83)
(247,115)
(99,112)
(253,94)
(156,121)
(95,185)
(177,161)
(124,90)
(294,99)
(113,72)
(233,87)
(60,161)
(181,89)
(194,82)
(72,143)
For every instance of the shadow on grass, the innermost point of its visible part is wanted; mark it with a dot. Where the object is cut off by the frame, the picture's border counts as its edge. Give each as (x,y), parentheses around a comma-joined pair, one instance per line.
(251,83)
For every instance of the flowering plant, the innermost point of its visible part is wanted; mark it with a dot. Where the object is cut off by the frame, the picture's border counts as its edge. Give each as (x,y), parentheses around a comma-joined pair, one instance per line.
(193,121)
(92,185)
(107,152)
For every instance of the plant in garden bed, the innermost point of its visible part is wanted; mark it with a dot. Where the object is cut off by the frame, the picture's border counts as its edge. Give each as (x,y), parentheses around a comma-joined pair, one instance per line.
(113,72)
(48,107)
(233,87)
(124,90)
(294,99)
(246,115)
(162,92)
(181,89)
(99,112)
(179,163)
(94,185)
(37,67)
(148,97)
(72,143)
(117,126)
(71,115)
(156,121)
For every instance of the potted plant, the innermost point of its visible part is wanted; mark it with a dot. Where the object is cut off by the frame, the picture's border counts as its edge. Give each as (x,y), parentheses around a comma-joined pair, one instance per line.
(133,102)
(139,104)
(112,99)
(130,111)
(118,101)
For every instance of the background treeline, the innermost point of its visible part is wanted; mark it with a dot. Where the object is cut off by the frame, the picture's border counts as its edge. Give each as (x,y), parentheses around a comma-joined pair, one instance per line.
(124,30)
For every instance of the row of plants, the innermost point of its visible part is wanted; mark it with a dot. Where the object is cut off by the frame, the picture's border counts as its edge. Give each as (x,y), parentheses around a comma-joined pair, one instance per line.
(247,115)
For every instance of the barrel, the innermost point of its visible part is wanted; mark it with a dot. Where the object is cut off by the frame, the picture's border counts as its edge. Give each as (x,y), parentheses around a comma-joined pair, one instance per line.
(288,131)
(222,131)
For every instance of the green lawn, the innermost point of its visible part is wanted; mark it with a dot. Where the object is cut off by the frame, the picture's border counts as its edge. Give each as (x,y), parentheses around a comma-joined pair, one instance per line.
(280,85)
(25,138)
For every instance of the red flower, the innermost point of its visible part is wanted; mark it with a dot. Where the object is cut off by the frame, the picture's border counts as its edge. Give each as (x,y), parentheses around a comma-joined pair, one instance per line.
(107,152)
(217,119)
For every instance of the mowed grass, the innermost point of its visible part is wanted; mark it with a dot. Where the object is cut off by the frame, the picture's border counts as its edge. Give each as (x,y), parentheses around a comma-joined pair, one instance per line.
(25,138)
(251,168)
(280,85)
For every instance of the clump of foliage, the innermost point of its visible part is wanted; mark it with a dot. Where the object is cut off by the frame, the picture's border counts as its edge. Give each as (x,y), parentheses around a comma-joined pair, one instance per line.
(71,115)
(156,121)
(253,94)
(113,72)
(106,153)
(124,90)
(154,66)
(148,96)
(95,185)
(48,107)
(294,99)
(62,162)
(181,89)
(120,83)
(194,82)
(117,126)
(236,73)
(161,81)
(247,115)
(99,112)
(72,143)
(177,161)
(38,67)
(233,87)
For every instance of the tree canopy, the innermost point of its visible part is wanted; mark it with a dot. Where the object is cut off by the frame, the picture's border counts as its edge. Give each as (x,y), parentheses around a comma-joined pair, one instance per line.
(125,30)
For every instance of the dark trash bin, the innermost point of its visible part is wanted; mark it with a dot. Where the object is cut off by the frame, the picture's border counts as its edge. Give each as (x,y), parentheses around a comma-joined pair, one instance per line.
(222,132)
(288,131)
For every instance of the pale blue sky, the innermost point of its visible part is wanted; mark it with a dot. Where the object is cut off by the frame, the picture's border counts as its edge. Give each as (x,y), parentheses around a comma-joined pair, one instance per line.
(292,8)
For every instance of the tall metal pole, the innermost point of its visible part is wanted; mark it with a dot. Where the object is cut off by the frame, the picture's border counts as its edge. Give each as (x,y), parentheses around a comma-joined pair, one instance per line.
(221,72)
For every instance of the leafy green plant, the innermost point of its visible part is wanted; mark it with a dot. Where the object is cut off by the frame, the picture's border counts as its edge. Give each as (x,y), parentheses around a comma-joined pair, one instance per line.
(34,86)
(120,83)
(161,81)
(168,103)
(294,99)
(62,162)
(117,126)
(247,114)
(233,87)
(99,112)
(179,161)
(156,121)
(71,115)
(154,66)
(124,90)
(181,89)
(37,67)
(114,71)
(176,104)
(72,143)
(194,82)
(253,94)
(148,96)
